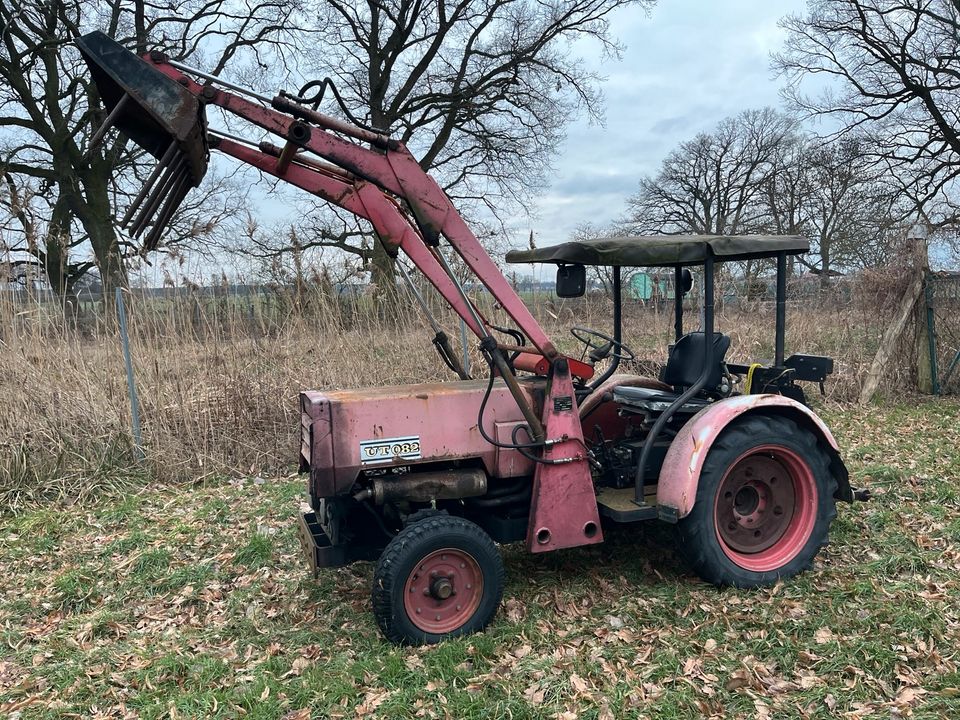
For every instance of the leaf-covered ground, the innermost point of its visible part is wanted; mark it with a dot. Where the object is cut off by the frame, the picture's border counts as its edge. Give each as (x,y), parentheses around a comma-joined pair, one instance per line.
(194,602)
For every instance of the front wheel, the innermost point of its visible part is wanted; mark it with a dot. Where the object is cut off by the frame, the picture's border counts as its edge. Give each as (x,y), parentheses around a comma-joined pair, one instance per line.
(764,504)
(440,577)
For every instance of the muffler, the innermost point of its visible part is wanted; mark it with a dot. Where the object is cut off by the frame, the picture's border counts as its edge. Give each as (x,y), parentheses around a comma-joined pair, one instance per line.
(426,486)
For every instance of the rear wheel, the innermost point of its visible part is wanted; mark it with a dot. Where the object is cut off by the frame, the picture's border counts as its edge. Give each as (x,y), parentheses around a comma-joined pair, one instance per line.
(764,504)
(440,577)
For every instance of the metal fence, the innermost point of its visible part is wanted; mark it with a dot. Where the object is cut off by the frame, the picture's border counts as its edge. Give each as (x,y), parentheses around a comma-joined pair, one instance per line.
(943,329)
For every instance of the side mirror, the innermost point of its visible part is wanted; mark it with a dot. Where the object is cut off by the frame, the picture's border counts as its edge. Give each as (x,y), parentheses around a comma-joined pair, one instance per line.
(571,281)
(686,281)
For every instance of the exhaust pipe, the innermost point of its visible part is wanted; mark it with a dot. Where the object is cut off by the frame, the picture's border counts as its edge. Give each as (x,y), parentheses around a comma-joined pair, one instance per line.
(426,486)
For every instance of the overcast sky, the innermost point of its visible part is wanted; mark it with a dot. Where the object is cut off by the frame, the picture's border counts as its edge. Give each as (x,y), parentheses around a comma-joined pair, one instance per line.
(687,66)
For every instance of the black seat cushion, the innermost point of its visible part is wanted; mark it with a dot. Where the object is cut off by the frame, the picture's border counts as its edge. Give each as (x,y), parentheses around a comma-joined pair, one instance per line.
(651,399)
(686,360)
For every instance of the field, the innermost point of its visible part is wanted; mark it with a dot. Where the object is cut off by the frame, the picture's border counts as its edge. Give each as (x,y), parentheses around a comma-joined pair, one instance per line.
(172,587)
(193,602)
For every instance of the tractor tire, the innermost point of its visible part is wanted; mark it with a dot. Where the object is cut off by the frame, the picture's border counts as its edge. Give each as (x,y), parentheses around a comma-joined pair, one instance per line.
(764,504)
(440,577)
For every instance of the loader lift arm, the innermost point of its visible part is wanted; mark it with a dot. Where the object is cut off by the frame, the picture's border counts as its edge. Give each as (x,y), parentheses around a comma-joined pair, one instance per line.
(364,181)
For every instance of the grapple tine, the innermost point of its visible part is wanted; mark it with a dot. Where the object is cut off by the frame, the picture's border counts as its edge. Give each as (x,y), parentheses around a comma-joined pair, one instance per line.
(176,196)
(157,196)
(108,123)
(156,113)
(161,165)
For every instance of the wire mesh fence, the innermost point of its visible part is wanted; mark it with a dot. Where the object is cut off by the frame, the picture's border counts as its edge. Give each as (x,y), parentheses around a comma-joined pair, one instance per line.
(943,302)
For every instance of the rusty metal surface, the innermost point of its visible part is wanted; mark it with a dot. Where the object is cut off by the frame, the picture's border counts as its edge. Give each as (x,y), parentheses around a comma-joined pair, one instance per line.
(443,416)
(563,507)
(317,445)
(680,473)
(428,486)
(161,111)
(160,115)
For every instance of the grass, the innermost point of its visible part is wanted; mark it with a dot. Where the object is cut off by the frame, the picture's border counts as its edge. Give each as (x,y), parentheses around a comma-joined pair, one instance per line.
(194,602)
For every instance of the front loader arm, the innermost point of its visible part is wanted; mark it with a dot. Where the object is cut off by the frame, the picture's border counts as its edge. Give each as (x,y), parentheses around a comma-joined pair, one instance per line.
(167,117)
(389,166)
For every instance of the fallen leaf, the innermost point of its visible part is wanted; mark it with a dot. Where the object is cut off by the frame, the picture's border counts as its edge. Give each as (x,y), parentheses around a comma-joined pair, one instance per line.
(823,635)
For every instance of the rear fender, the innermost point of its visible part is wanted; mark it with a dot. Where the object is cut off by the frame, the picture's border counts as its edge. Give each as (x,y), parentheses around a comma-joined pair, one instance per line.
(680,473)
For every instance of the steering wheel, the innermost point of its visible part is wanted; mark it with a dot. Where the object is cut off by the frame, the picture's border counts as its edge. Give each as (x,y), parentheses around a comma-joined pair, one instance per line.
(616,348)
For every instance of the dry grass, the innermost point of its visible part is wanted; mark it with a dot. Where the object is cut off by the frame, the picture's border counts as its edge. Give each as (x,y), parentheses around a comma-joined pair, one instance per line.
(218,376)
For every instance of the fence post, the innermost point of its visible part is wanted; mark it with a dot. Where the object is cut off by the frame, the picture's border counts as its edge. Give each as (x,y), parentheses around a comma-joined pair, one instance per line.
(931,335)
(925,348)
(917,266)
(131,386)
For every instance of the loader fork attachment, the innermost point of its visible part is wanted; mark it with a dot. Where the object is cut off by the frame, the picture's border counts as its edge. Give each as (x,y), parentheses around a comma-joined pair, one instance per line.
(162,117)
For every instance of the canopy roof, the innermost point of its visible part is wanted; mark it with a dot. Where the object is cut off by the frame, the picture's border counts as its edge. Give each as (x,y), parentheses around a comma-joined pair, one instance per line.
(662,250)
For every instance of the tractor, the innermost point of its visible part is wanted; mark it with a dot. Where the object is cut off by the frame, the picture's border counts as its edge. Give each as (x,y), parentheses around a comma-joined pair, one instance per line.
(543,448)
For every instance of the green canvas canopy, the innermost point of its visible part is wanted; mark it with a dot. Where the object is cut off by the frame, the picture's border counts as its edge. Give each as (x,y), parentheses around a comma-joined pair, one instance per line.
(662,250)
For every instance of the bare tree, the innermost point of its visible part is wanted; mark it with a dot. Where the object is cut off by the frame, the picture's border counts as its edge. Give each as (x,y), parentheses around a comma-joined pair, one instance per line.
(893,73)
(480,90)
(710,184)
(759,173)
(850,208)
(61,191)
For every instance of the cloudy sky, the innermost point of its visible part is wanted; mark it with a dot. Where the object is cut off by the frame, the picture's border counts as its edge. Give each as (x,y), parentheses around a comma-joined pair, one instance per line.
(687,65)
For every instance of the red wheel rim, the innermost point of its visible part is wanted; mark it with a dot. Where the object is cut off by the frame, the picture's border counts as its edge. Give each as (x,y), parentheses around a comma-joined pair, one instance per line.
(765,508)
(443,591)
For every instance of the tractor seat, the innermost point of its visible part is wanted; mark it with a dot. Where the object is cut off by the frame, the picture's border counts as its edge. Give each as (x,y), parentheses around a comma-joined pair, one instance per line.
(682,371)
(641,399)
(685,361)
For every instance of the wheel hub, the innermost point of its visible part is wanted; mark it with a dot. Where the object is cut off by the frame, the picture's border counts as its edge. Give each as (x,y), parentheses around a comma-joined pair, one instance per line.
(746,501)
(755,504)
(441,588)
(443,591)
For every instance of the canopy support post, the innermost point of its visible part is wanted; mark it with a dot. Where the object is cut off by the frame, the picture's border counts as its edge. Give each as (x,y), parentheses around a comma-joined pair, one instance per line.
(677,303)
(781,308)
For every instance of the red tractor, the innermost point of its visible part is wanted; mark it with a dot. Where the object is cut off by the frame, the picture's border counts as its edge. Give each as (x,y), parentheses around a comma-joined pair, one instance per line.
(427,479)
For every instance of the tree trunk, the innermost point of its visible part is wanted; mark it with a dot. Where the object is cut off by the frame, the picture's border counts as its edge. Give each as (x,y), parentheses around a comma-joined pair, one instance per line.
(824,265)
(97,219)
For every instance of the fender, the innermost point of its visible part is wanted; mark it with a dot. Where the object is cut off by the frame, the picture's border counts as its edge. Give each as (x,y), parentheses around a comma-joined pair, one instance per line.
(680,473)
